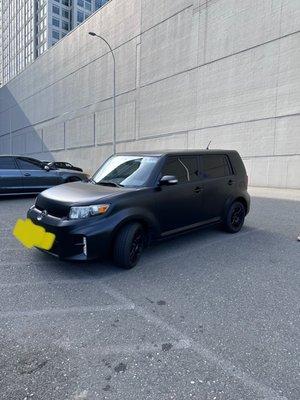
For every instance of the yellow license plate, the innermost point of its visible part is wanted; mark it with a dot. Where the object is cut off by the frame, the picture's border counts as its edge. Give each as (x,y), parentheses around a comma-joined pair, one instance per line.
(31,235)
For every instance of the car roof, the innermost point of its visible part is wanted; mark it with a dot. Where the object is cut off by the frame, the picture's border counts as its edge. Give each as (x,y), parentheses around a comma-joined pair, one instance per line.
(175,152)
(18,155)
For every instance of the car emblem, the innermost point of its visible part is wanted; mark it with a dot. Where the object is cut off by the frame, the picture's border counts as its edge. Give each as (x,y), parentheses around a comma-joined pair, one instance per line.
(42,215)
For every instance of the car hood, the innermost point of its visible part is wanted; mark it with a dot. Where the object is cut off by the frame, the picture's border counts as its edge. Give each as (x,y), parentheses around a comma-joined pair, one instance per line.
(58,199)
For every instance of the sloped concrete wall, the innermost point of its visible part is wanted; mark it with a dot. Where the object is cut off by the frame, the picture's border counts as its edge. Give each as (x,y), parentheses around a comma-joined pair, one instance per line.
(188,71)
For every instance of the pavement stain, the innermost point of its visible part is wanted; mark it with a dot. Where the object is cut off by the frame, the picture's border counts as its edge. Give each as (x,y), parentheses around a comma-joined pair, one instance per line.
(150,301)
(106,388)
(29,366)
(106,363)
(121,367)
(166,346)
(161,303)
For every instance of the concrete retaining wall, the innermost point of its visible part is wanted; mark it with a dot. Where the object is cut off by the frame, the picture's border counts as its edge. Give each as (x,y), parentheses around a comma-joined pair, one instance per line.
(188,71)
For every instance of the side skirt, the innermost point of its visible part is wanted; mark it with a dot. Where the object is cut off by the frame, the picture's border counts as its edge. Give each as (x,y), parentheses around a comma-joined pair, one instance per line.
(211,221)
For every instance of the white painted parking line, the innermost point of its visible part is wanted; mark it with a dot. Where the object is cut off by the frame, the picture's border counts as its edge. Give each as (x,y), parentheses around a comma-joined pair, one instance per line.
(130,349)
(64,311)
(72,281)
(231,369)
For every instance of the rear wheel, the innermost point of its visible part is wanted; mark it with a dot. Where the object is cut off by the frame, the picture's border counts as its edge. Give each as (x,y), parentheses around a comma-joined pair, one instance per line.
(129,245)
(235,217)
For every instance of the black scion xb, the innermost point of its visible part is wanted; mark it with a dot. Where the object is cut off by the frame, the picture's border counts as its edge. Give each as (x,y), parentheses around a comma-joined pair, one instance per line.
(139,197)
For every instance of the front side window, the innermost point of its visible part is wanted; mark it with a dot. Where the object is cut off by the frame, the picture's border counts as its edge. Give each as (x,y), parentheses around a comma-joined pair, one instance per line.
(184,168)
(7,163)
(127,171)
(27,163)
(215,166)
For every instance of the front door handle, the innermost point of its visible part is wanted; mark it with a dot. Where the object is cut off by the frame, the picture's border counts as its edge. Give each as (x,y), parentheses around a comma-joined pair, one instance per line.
(27,174)
(230,182)
(198,189)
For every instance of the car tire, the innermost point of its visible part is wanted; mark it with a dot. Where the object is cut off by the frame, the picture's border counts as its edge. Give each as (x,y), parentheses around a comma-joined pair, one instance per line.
(129,245)
(235,217)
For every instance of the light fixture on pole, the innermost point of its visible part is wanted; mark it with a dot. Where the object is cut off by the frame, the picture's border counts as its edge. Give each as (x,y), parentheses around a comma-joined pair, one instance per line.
(114,88)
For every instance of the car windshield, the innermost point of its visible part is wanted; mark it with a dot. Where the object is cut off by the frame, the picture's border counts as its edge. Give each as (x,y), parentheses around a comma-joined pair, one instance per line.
(126,170)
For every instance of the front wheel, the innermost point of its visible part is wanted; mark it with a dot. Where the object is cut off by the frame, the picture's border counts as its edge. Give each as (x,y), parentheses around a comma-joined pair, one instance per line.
(235,217)
(128,246)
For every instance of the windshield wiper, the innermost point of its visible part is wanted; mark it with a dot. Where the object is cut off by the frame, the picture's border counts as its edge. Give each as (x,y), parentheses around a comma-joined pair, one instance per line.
(109,183)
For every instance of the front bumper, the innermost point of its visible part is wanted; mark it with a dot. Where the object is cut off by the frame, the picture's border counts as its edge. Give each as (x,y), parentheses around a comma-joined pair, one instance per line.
(84,239)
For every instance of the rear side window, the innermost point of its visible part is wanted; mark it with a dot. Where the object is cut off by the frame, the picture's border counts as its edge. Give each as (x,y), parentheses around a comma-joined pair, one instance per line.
(215,166)
(185,168)
(7,163)
(27,163)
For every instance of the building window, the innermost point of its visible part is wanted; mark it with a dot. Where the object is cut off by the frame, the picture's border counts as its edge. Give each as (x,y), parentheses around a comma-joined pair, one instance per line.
(55,22)
(55,35)
(65,2)
(80,3)
(80,16)
(65,25)
(88,6)
(55,10)
(65,13)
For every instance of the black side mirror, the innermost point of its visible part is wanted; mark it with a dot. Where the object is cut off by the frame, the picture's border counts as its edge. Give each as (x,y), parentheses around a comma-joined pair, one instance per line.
(168,180)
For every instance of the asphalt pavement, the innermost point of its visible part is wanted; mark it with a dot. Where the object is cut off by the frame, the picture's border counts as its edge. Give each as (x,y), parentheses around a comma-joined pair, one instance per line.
(207,316)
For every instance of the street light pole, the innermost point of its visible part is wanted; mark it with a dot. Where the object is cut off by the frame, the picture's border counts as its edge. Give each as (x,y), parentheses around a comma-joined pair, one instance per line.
(114,90)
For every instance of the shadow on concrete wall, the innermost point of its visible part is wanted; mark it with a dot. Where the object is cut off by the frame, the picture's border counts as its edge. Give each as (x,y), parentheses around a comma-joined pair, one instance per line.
(17,134)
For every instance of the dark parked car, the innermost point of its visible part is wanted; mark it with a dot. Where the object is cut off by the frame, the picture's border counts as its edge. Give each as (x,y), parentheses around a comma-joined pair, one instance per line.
(19,175)
(62,165)
(135,198)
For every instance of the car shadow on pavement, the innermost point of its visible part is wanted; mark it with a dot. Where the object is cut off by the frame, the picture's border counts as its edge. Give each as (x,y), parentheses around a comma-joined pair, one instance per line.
(190,241)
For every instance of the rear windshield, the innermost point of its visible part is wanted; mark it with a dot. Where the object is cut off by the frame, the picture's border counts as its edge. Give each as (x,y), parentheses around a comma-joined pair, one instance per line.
(125,170)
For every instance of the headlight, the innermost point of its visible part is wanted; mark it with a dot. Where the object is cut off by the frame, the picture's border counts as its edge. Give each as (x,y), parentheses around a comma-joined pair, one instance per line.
(87,211)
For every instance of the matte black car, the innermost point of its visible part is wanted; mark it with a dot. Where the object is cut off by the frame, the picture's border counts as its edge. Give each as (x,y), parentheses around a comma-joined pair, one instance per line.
(136,198)
(62,165)
(19,175)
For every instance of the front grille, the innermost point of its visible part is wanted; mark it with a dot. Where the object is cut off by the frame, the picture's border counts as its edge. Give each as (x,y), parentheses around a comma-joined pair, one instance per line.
(55,209)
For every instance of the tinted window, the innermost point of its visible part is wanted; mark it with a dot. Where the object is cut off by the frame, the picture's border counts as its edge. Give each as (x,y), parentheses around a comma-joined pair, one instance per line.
(215,166)
(25,163)
(184,168)
(7,163)
(191,165)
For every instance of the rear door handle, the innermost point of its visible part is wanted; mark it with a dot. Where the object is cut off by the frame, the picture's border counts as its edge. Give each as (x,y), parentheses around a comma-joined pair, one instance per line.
(27,174)
(198,189)
(230,182)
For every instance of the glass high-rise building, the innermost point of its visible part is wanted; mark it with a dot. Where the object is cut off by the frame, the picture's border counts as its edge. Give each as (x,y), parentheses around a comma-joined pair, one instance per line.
(30,27)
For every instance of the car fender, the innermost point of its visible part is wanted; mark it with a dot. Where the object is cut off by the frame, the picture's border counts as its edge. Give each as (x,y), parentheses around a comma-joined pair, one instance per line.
(139,214)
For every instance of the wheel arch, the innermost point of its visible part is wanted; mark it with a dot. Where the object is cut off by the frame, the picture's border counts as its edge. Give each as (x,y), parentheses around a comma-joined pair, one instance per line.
(243,201)
(231,200)
(147,225)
